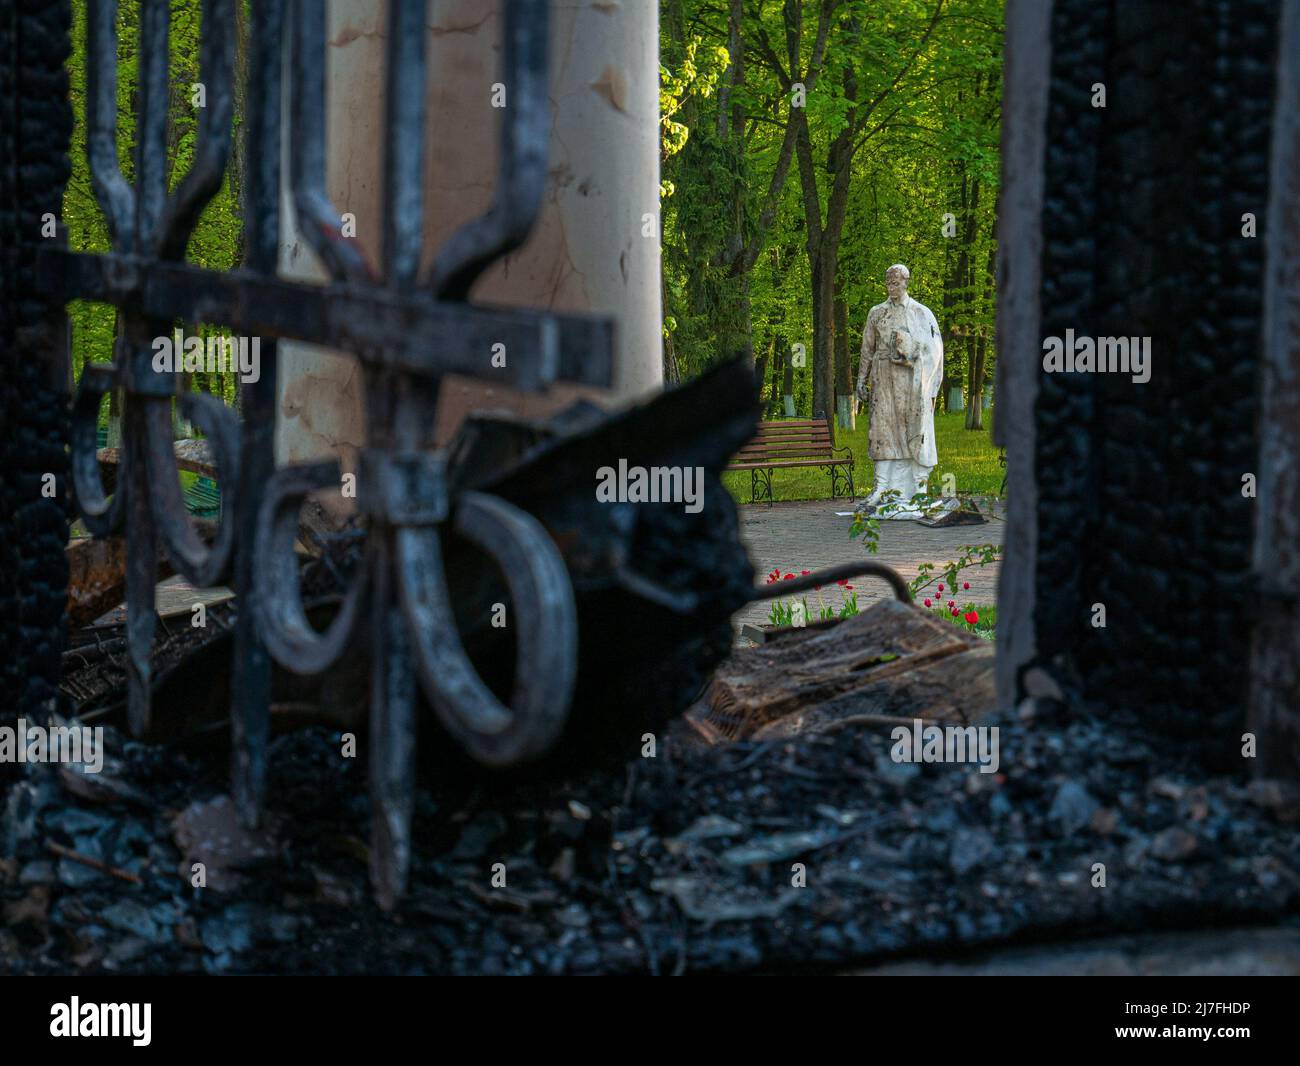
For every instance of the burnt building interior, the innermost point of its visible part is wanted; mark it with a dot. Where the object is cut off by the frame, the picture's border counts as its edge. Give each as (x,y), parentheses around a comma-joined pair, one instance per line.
(605,784)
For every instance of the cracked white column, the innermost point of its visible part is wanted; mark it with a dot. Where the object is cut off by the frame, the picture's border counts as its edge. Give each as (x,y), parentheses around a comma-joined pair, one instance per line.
(595,246)
(321,410)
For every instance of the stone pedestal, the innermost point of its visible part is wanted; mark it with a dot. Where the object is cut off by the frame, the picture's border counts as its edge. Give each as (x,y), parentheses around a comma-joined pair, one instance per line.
(906,478)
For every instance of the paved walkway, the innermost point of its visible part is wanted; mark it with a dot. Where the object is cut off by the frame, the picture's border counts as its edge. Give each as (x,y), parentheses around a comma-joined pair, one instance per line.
(803,535)
(808,535)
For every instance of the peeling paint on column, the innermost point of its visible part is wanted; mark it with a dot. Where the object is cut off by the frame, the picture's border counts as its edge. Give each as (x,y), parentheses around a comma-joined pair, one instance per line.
(320,402)
(587,252)
(613,87)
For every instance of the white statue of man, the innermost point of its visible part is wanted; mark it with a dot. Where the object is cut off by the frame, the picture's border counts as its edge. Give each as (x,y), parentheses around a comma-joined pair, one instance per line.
(902,367)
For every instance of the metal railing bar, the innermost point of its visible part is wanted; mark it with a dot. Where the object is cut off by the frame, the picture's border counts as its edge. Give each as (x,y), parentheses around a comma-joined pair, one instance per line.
(521,173)
(151,125)
(112,192)
(404,164)
(318,221)
(250,717)
(414,332)
(203,180)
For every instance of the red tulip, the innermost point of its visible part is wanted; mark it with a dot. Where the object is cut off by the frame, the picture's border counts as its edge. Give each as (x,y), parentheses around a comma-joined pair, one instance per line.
(965,584)
(952,603)
(972,617)
(927,603)
(941,587)
(789,577)
(954,611)
(805,573)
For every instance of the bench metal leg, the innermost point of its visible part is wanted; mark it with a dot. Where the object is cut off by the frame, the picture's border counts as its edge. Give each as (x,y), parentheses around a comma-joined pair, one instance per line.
(841,478)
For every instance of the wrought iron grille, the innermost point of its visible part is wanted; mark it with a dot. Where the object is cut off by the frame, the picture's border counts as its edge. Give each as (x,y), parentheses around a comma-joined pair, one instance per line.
(407,331)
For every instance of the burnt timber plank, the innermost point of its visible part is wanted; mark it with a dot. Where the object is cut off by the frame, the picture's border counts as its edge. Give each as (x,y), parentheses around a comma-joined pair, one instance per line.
(1274,710)
(893,658)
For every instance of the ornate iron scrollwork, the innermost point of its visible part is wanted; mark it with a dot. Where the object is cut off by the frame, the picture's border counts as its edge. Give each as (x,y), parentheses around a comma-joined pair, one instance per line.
(145,222)
(407,331)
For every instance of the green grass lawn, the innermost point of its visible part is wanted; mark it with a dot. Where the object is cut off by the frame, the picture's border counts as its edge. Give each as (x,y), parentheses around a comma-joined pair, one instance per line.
(968,454)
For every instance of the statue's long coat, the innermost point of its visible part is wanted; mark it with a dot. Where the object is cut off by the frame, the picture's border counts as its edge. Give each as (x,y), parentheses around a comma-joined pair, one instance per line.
(902,412)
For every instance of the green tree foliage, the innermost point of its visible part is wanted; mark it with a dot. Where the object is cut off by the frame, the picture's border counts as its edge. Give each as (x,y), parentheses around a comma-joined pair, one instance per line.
(217,240)
(779,218)
(842,136)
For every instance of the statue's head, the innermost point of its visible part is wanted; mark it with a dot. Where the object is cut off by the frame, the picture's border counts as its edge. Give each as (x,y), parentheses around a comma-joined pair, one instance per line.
(896,278)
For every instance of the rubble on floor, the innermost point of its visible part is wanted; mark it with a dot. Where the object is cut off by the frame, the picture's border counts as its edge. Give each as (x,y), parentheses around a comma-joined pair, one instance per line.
(810,851)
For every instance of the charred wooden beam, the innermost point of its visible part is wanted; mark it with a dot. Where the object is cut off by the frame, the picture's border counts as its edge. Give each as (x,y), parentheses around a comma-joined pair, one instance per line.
(655,585)
(192,456)
(97,573)
(1274,714)
(893,660)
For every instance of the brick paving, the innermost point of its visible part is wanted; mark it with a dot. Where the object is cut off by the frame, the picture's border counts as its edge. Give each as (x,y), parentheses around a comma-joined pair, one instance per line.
(808,535)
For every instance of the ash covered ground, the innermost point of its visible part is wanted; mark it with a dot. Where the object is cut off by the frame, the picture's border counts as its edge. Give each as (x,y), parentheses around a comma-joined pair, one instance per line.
(682,863)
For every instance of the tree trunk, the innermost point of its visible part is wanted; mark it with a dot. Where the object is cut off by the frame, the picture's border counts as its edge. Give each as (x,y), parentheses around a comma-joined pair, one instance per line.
(844,411)
(975,414)
(670,347)
(114,425)
(744,323)
(760,371)
(951,285)
(778,371)
(787,383)
(823,398)
(975,381)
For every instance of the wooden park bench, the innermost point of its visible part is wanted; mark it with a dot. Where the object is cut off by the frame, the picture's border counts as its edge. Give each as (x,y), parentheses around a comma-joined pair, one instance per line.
(793,442)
